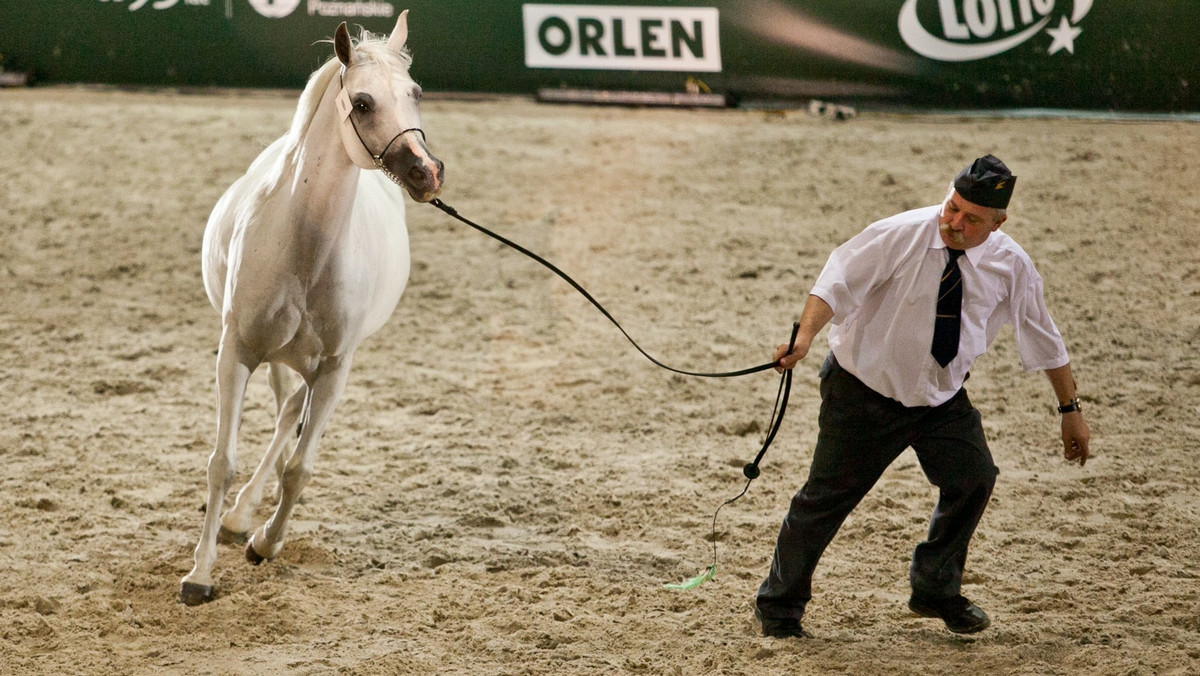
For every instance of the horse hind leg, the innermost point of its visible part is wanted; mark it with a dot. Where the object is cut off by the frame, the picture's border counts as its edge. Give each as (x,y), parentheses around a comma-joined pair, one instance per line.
(236,523)
(325,391)
(281,384)
(232,376)
(283,387)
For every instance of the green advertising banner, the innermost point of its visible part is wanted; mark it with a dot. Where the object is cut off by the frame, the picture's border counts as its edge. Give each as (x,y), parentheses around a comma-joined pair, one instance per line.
(1124,55)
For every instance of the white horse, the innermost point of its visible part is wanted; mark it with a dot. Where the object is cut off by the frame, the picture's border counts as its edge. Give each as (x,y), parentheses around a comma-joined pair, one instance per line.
(305,256)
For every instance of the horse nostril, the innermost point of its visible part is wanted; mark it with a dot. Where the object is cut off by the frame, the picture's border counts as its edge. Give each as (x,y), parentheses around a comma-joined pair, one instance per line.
(417,175)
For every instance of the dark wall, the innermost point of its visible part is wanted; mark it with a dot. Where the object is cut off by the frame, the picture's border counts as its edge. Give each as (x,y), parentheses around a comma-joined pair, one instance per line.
(1131,55)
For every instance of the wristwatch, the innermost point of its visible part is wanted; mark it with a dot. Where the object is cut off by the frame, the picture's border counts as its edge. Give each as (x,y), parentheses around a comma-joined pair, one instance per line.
(1070,406)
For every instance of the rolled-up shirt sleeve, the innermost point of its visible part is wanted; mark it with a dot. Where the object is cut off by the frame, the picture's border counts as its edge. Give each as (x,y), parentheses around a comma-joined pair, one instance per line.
(853,270)
(1038,340)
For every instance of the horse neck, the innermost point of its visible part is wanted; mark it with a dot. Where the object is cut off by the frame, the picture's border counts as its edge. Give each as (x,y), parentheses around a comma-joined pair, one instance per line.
(323,179)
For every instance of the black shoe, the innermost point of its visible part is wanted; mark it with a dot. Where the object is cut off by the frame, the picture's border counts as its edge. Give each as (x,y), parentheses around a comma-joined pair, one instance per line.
(960,615)
(785,627)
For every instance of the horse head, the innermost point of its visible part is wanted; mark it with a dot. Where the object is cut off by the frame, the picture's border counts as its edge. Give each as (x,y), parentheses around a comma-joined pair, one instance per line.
(380,118)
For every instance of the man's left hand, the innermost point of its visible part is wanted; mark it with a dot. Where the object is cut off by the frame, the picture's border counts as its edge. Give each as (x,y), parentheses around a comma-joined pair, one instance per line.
(1075,436)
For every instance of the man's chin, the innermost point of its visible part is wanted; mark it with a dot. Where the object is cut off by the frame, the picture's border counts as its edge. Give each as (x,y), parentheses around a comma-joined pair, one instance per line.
(952,239)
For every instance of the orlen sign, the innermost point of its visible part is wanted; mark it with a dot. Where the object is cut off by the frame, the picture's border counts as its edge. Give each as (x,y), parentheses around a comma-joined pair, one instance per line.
(978,29)
(622,38)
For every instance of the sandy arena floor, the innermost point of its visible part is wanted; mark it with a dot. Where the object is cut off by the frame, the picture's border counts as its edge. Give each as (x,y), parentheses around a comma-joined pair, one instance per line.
(507,485)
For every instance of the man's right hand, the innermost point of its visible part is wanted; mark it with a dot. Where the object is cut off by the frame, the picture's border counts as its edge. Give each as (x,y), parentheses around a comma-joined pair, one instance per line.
(788,361)
(816,315)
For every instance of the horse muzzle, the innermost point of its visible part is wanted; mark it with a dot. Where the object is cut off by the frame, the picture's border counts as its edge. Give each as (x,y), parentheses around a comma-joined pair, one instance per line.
(414,167)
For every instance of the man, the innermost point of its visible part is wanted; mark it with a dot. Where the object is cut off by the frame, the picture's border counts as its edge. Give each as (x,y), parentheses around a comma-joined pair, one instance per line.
(914,299)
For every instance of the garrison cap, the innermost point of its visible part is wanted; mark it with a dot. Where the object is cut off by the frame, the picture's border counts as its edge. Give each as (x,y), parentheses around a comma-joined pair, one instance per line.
(987,182)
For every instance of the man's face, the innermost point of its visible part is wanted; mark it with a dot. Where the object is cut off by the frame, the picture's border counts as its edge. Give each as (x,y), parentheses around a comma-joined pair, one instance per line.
(964,224)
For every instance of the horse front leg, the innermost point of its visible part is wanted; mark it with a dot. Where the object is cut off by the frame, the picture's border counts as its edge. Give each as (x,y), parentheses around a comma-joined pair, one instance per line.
(324,392)
(236,523)
(232,375)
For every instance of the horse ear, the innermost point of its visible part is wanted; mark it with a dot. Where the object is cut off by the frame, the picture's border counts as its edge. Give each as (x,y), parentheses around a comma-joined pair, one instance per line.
(341,44)
(400,35)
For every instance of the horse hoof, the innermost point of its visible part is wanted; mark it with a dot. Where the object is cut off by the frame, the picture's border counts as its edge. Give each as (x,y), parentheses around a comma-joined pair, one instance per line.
(229,537)
(253,556)
(192,594)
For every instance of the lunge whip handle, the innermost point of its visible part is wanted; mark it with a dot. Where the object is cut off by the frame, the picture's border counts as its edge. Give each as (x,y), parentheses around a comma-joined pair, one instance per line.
(781,400)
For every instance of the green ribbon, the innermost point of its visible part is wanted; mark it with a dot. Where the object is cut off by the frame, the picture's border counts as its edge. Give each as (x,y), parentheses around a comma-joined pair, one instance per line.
(695,581)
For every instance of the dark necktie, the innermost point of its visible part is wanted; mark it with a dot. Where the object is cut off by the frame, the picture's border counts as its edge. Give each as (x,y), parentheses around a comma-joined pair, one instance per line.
(949,308)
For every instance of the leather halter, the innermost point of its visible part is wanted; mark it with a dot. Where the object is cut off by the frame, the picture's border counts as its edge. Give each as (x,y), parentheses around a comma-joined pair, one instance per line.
(346,109)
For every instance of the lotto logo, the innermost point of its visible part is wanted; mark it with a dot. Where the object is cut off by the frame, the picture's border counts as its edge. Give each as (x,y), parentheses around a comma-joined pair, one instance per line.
(968,30)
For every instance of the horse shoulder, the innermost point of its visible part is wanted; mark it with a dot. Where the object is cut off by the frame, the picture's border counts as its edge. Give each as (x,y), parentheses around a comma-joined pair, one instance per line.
(379,213)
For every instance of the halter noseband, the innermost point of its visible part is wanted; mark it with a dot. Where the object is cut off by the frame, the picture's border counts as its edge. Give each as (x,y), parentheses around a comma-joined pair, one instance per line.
(348,112)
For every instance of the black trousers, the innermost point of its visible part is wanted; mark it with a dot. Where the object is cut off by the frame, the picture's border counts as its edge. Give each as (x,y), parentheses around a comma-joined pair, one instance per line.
(861,433)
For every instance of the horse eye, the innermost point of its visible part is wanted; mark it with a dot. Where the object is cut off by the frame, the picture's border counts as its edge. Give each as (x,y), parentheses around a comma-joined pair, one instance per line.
(363,103)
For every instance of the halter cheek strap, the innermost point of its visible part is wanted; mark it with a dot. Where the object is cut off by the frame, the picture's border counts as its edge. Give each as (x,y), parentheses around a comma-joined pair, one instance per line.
(351,140)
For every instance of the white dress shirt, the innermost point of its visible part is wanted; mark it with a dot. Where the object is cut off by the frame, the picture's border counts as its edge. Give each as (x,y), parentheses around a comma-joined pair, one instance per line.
(882,285)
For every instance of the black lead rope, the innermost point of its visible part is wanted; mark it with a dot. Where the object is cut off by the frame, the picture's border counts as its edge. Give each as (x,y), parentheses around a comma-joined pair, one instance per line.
(751,470)
(567,278)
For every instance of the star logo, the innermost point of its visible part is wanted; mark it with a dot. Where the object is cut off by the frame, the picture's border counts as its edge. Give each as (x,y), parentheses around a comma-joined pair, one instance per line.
(1063,36)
